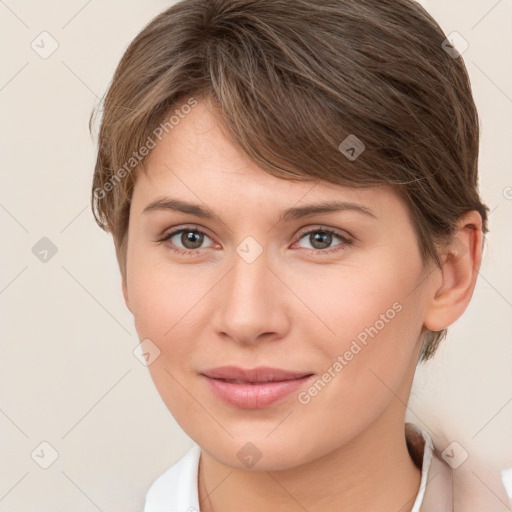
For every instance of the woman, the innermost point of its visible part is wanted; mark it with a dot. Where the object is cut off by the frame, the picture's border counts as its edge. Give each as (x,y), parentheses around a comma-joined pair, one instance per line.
(292,191)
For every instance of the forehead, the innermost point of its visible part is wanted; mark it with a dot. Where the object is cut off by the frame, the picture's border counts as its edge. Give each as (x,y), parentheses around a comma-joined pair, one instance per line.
(195,160)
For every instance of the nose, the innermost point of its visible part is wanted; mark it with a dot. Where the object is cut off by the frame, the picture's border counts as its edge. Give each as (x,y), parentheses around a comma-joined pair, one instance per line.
(251,303)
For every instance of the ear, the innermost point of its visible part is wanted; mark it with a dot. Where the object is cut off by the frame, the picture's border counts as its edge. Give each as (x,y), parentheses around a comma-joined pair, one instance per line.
(461,262)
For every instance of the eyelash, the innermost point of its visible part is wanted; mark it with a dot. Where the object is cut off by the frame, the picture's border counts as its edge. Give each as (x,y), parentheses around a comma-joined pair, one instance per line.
(192,252)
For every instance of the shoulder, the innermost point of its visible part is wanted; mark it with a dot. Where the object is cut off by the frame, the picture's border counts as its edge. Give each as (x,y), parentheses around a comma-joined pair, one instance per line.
(176,489)
(452,479)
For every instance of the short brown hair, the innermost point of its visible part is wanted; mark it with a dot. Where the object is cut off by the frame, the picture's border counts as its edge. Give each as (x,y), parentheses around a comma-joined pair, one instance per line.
(291,80)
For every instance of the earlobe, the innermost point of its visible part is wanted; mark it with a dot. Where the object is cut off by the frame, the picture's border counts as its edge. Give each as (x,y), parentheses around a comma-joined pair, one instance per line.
(461,263)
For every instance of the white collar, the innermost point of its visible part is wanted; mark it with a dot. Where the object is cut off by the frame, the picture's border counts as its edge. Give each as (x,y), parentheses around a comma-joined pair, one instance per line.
(176,489)
(425,452)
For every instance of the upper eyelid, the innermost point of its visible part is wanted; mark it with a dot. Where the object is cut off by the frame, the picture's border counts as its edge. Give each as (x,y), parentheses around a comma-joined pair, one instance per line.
(336,231)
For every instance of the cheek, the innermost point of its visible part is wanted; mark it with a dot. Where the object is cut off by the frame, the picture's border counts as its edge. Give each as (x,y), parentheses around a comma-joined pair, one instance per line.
(370,324)
(168,304)
(160,295)
(357,302)
(163,305)
(366,362)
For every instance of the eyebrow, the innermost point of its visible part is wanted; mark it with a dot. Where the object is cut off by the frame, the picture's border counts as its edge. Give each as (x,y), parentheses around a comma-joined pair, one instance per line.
(298,212)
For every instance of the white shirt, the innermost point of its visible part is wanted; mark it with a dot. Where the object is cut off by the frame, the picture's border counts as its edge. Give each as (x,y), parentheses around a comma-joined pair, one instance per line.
(176,489)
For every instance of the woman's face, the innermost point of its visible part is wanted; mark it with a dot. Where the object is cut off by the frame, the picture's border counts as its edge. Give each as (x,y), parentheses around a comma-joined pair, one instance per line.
(266,288)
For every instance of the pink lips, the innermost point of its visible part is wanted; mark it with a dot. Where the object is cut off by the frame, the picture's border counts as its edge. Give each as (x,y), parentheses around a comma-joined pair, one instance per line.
(253,388)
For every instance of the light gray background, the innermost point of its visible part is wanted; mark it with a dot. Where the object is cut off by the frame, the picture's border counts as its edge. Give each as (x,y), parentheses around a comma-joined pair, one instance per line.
(67,372)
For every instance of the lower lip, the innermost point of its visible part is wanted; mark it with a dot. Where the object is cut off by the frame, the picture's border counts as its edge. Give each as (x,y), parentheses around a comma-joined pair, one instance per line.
(255,396)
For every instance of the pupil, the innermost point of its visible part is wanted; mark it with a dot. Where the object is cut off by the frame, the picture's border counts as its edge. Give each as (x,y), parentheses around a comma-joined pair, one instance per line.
(320,237)
(193,237)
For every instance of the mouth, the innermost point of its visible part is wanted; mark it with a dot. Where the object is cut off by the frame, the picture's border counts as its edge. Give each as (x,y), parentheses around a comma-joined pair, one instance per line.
(256,388)
(254,375)
(236,381)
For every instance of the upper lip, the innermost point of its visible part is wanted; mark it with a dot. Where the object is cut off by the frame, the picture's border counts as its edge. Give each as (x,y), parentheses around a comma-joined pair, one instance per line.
(260,374)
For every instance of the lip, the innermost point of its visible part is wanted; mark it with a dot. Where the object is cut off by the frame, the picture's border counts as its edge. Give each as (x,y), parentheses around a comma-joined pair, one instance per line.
(253,388)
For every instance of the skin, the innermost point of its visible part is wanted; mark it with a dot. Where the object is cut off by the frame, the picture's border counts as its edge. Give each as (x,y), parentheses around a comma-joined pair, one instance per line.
(295,307)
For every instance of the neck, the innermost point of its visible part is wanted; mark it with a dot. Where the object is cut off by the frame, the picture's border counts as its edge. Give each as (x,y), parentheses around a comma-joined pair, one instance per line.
(364,474)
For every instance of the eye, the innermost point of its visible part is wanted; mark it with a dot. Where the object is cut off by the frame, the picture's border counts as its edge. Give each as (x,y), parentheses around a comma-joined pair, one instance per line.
(190,238)
(321,239)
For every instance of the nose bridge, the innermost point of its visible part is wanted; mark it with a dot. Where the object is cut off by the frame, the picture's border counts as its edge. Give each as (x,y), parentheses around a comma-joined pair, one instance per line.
(252,266)
(250,304)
